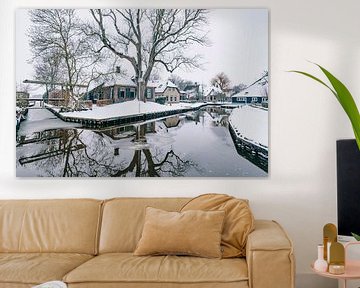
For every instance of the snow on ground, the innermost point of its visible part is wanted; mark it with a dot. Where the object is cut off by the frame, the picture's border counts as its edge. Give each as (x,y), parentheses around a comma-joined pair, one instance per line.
(41,119)
(128,108)
(252,123)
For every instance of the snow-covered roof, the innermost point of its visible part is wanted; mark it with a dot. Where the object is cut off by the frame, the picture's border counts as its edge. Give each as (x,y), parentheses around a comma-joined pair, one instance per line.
(162,87)
(94,85)
(120,80)
(255,90)
(212,90)
(152,84)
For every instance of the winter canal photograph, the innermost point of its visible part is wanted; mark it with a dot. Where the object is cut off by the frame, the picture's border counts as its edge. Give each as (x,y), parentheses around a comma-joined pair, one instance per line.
(142,93)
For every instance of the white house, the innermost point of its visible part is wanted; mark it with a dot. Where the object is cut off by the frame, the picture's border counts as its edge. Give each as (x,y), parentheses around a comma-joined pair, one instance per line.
(169,91)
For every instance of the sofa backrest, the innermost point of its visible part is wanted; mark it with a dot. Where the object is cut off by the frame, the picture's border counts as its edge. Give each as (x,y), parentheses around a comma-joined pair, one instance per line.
(67,226)
(123,220)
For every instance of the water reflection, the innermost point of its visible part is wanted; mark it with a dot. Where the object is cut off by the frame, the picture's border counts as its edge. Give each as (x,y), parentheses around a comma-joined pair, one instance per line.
(193,144)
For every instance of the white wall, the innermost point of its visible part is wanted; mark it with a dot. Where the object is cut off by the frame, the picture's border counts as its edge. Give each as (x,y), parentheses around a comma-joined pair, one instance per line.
(305,121)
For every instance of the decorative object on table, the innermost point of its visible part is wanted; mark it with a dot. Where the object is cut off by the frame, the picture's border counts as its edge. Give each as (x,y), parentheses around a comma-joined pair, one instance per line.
(341,267)
(51,284)
(329,236)
(320,264)
(344,97)
(337,258)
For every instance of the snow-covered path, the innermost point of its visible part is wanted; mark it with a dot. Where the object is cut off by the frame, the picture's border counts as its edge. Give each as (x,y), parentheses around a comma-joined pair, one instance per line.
(39,120)
(129,108)
(250,124)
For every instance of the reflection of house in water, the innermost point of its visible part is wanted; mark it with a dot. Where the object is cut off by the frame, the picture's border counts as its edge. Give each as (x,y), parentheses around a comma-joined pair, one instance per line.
(129,131)
(172,121)
(117,135)
(219,115)
(194,116)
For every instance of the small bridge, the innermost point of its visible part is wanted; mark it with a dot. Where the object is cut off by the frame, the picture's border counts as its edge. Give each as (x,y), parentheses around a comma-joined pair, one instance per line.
(41,101)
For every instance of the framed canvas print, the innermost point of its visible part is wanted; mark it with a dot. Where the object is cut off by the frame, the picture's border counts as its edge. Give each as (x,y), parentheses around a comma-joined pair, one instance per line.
(142,93)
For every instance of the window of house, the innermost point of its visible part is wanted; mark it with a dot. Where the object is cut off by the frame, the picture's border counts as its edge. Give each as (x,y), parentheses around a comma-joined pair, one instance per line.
(111,92)
(171,99)
(254,99)
(121,93)
(148,93)
(132,93)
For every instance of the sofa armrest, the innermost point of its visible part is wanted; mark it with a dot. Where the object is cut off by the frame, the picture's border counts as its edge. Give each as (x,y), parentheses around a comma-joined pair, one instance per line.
(269,256)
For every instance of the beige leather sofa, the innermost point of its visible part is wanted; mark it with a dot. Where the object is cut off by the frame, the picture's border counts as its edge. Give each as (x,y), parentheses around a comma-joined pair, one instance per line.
(89,243)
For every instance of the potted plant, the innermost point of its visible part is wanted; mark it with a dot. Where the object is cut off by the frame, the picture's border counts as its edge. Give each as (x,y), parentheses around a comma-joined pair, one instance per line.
(345,99)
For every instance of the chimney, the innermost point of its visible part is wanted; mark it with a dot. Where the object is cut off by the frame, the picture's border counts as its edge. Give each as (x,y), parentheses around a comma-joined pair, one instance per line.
(117,69)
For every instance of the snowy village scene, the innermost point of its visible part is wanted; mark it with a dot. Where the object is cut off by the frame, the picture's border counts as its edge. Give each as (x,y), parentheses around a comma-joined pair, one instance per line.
(142,93)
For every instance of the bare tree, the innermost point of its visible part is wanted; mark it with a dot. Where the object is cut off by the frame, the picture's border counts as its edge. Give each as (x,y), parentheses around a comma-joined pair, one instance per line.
(56,38)
(47,69)
(239,87)
(221,81)
(150,38)
(178,81)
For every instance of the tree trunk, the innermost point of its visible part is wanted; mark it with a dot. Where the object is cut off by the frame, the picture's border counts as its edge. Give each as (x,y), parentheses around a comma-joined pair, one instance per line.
(142,89)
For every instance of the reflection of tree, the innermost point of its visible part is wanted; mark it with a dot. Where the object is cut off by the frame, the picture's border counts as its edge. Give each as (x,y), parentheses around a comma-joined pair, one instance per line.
(170,165)
(154,165)
(79,153)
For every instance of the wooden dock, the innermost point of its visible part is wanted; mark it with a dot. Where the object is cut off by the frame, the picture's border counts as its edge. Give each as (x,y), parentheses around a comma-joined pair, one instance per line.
(121,120)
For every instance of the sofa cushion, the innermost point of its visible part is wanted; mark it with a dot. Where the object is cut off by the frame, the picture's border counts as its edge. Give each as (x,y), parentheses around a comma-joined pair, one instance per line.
(123,220)
(36,268)
(126,268)
(238,223)
(63,226)
(193,232)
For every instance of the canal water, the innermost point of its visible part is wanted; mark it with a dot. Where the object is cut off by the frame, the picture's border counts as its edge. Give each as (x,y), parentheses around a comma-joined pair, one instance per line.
(195,144)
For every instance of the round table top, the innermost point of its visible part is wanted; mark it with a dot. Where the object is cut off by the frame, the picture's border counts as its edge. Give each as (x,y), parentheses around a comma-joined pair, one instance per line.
(352,271)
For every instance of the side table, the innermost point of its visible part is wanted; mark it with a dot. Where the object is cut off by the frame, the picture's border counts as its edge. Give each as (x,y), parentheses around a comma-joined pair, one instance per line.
(352,268)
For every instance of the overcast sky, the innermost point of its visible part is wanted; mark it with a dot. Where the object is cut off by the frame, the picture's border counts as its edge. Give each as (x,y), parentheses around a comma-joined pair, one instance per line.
(239,47)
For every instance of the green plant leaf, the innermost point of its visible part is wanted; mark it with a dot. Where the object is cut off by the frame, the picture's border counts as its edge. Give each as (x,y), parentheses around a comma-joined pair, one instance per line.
(316,79)
(344,97)
(356,236)
(346,100)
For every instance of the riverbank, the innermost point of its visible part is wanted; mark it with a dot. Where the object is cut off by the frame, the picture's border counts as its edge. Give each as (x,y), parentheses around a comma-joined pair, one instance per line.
(124,113)
(249,125)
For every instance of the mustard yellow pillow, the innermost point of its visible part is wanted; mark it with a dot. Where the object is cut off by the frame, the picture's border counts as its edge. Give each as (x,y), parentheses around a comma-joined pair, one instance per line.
(238,223)
(193,232)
